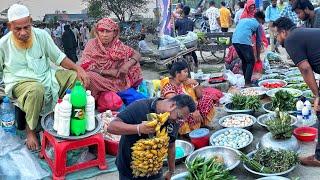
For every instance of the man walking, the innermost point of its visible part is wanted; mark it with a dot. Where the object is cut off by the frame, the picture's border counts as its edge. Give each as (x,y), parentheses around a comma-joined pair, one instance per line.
(272,14)
(213,15)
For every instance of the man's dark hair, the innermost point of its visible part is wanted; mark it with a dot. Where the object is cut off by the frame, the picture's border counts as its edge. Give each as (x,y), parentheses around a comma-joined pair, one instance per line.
(183,100)
(186,10)
(212,3)
(223,3)
(177,67)
(142,37)
(283,23)
(302,4)
(259,15)
(241,4)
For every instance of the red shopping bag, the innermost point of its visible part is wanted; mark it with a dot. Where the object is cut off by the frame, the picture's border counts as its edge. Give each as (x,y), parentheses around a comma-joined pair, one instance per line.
(258,66)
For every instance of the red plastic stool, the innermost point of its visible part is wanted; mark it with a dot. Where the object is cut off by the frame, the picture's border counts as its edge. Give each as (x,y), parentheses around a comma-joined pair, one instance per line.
(59,164)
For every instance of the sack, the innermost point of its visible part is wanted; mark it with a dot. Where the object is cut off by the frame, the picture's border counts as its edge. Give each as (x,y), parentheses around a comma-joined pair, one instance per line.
(109,101)
(143,89)
(234,79)
(130,95)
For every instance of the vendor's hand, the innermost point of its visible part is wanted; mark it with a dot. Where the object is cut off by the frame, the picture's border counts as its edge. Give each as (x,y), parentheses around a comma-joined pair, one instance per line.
(144,129)
(191,82)
(316,105)
(124,69)
(197,116)
(167,175)
(83,77)
(113,72)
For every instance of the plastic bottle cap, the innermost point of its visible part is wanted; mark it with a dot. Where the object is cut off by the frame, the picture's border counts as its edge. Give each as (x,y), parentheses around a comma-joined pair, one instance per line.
(6,99)
(198,133)
(59,101)
(88,93)
(68,91)
(78,83)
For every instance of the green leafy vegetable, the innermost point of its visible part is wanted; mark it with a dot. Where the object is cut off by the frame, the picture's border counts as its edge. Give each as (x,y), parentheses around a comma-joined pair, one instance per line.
(284,101)
(213,168)
(280,127)
(241,102)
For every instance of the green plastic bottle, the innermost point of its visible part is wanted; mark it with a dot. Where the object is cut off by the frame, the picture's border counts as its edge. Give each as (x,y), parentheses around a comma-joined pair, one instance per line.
(78,99)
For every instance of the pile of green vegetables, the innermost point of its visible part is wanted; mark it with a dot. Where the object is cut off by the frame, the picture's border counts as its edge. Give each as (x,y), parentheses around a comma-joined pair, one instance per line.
(213,168)
(283,100)
(280,127)
(270,161)
(241,102)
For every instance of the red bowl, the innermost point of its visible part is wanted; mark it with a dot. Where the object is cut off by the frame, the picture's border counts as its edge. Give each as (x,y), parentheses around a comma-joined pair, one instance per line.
(111,147)
(200,142)
(306,134)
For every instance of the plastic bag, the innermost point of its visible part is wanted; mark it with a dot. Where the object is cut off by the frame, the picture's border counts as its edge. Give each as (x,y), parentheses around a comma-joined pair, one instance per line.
(258,67)
(16,161)
(168,41)
(109,101)
(130,95)
(226,98)
(234,79)
(143,89)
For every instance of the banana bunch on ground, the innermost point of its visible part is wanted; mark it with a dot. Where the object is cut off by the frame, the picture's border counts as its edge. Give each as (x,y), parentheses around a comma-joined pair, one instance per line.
(148,154)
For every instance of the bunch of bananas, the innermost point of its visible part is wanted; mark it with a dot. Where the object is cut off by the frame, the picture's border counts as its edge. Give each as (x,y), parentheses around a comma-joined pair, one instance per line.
(148,154)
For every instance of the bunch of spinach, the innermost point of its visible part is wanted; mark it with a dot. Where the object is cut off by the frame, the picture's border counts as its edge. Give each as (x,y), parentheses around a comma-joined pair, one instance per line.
(284,101)
(240,102)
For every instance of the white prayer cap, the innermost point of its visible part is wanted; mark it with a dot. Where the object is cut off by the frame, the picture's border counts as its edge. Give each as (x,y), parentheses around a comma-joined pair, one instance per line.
(17,11)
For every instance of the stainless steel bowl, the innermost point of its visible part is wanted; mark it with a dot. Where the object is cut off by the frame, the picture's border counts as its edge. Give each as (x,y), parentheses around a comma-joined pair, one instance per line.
(260,84)
(265,117)
(267,108)
(254,120)
(295,92)
(250,155)
(188,148)
(180,176)
(260,91)
(169,52)
(228,108)
(294,80)
(267,141)
(274,178)
(221,131)
(230,156)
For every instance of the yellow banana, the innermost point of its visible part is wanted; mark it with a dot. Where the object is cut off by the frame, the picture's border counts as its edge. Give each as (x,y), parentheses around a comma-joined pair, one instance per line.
(164,117)
(152,123)
(158,127)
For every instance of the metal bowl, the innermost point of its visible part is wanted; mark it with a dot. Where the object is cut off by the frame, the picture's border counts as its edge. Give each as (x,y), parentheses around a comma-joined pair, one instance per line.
(222,131)
(267,141)
(230,156)
(309,95)
(271,71)
(187,147)
(250,155)
(265,117)
(272,76)
(228,108)
(294,80)
(260,84)
(295,92)
(258,91)
(254,120)
(169,52)
(301,86)
(274,178)
(47,125)
(293,73)
(180,176)
(267,108)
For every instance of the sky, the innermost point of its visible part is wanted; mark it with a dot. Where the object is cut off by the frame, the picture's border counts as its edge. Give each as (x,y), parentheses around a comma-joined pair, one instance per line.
(38,8)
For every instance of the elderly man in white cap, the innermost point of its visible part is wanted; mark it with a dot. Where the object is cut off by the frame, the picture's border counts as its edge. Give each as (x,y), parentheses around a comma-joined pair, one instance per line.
(25,56)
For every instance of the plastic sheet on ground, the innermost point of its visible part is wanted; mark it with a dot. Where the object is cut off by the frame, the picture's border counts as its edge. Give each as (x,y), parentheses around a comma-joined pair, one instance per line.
(16,161)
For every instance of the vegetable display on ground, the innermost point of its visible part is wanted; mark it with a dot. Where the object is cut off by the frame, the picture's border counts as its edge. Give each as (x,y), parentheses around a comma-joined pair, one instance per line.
(241,102)
(284,101)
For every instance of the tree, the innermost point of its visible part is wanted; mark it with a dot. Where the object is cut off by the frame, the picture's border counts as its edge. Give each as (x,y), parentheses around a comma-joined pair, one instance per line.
(122,9)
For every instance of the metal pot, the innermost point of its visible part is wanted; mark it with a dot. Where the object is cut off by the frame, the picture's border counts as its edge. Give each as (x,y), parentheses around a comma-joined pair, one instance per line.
(267,141)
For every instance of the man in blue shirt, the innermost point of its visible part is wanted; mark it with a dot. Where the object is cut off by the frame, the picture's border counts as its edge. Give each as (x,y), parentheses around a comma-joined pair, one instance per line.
(242,42)
(287,12)
(183,26)
(272,14)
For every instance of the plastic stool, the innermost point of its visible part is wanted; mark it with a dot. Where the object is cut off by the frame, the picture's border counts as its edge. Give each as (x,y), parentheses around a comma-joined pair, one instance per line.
(59,164)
